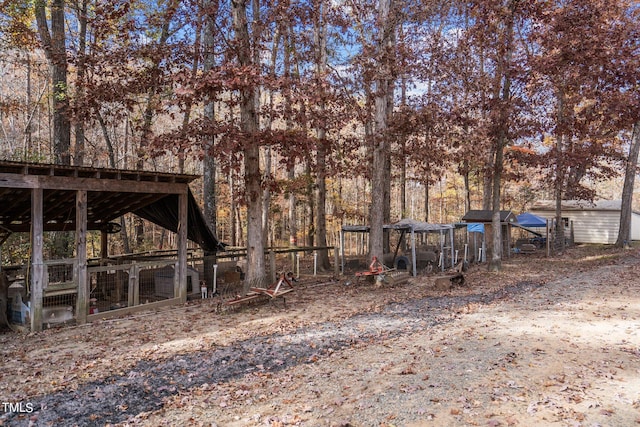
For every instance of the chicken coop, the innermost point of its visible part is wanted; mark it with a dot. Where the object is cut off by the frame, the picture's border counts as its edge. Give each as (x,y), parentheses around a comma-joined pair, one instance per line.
(38,198)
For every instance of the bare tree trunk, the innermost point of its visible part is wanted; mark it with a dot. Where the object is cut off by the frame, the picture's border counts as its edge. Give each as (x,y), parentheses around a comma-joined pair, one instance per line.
(426,199)
(209,13)
(268,155)
(503,90)
(55,51)
(560,171)
(624,234)
(112,163)
(384,86)
(496,226)
(311,202)
(186,115)
(387,170)
(266,195)
(28,129)
(487,181)
(80,81)
(145,133)
(403,147)
(467,189)
(249,125)
(291,174)
(320,39)
(154,71)
(232,210)
(321,201)
(210,10)
(293,219)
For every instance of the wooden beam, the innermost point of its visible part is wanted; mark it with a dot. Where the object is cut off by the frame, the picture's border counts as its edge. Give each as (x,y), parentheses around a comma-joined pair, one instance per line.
(90,184)
(180,285)
(104,244)
(82,301)
(37,263)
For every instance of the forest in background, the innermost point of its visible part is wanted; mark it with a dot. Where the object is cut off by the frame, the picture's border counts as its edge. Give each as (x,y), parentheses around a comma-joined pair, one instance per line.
(303,116)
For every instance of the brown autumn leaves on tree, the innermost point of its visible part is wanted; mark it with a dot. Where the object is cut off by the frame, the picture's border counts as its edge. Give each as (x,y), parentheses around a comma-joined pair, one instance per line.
(388,93)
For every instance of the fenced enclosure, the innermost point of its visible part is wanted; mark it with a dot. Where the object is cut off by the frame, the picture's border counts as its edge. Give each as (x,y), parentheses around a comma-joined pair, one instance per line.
(413,246)
(125,285)
(111,287)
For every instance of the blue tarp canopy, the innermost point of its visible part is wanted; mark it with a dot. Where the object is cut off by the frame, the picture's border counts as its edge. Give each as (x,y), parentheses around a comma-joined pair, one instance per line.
(530,220)
(475,227)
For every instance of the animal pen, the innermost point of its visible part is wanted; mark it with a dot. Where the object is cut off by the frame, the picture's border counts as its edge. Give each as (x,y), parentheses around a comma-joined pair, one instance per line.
(417,247)
(37,198)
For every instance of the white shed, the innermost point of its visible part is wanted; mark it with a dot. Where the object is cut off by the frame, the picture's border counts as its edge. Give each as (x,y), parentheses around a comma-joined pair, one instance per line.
(593,222)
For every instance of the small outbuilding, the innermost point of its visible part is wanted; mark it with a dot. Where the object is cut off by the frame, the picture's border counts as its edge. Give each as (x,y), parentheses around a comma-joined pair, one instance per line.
(593,222)
(485,217)
(36,198)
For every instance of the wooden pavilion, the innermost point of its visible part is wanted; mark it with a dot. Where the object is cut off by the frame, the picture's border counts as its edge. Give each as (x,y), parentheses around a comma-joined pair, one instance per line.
(35,198)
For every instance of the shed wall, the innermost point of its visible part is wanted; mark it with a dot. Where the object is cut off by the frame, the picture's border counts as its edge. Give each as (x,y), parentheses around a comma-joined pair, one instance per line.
(635,226)
(591,226)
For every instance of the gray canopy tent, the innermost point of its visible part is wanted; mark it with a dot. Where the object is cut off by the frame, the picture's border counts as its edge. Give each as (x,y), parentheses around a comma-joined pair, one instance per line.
(411,227)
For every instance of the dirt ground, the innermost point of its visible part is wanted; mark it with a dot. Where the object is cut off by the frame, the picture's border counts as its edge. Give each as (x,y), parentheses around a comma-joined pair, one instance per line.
(544,342)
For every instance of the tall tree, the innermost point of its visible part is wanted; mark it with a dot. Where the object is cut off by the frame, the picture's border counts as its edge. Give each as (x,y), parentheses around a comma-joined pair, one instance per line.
(502,96)
(384,85)
(53,41)
(583,58)
(320,41)
(152,101)
(81,13)
(249,127)
(209,10)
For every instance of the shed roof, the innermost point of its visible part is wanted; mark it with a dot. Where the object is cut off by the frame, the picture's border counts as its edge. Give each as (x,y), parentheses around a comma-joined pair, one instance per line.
(404,224)
(578,205)
(485,216)
(418,226)
(111,193)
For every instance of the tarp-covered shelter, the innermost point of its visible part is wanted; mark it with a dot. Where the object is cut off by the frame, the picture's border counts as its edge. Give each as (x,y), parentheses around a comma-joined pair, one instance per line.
(411,227)
(530,220)
(476,241)
(507,219)
(41,197)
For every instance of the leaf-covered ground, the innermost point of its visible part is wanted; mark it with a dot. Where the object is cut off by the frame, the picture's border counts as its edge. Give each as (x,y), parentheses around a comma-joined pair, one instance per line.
(544,342)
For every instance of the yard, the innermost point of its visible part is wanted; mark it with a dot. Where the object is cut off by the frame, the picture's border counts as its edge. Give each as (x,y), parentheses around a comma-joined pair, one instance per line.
(544,342)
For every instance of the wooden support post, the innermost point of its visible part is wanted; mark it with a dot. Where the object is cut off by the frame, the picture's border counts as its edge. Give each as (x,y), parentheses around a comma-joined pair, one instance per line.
(82,302)
(336,263)
(37,264)
(272,263)
(414,266)
(134,286)
(180,276)
(210,260)
(293,261)
(453,264)
(342,249)
(104,244)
